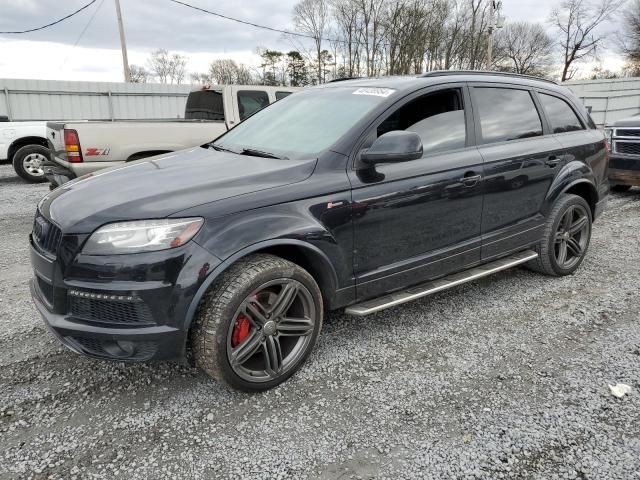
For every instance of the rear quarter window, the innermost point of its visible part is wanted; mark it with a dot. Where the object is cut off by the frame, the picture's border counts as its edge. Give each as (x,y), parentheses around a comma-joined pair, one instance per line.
(560,114)
(204,105)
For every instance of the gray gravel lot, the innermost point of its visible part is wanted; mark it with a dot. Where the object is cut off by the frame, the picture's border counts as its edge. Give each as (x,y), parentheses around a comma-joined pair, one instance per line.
(503,378)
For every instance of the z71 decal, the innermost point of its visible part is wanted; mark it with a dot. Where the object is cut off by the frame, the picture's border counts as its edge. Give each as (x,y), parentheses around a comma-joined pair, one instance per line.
(94,152)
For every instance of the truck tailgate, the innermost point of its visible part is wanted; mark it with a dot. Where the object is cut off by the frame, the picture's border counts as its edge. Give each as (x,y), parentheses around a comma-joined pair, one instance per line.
(55,140)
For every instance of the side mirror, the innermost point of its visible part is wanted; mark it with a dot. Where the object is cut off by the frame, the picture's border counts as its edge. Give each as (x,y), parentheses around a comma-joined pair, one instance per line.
(393,147)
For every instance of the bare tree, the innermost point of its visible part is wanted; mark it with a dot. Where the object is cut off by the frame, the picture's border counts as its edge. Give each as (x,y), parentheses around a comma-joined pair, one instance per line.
(311,18)
(577,22)
(166,67)
(159,64)
(226,72)
(525,48)
(178,68)
(138,74)
(630,35)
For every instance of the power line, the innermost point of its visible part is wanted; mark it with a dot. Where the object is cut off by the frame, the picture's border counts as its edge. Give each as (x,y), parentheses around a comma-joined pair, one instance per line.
(93,15)
(52,23)
(245,22)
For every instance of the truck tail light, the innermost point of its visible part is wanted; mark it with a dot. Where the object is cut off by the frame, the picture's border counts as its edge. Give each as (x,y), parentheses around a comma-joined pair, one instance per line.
(72,146)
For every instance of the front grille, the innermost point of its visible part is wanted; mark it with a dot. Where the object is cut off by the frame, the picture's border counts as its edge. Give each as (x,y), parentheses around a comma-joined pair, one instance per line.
(627,148)
(623,132)
(46,290)
(138,351)
(113,312)
(46,234)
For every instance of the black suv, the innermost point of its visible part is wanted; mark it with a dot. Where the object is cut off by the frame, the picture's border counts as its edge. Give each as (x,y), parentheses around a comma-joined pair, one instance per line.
(362,194)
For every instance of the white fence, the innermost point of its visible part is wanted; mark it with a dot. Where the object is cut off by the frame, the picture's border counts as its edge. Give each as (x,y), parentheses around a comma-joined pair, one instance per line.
(66,100)
(610,100)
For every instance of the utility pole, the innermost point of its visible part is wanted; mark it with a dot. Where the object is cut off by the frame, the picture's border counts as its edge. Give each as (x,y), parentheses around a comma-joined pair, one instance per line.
(494,23)
(123,44)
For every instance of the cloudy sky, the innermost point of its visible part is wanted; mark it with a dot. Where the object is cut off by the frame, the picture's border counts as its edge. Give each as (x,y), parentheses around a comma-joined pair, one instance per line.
(86,47)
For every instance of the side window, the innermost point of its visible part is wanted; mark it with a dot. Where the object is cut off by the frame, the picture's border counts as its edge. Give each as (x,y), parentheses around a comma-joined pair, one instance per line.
(560,114)
(506,114)
(281,95)
(437,117)
(250,101)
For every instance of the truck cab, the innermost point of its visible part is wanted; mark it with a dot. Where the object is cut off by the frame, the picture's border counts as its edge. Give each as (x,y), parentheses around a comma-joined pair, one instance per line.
(83,147)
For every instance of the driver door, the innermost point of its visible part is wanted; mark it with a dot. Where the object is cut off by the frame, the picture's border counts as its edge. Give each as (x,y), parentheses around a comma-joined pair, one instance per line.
(420,219)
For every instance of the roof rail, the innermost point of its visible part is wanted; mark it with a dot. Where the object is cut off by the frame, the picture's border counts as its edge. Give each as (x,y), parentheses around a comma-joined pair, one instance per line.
(343,79)
(442,73)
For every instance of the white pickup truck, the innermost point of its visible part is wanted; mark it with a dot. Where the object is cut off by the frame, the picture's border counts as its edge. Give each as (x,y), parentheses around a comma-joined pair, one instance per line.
(79,148)
(25,145)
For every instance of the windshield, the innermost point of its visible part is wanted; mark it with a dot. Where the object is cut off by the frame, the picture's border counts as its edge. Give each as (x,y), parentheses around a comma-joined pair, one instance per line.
(303,124)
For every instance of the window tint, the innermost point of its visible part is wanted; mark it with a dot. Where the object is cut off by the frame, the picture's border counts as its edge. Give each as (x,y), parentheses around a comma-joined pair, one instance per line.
(437,117)
(560,114)
(506,114)
(204,105)
(281,95)
(250,101)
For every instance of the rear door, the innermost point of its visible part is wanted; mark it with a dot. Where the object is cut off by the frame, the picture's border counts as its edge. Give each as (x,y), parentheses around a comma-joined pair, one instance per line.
(521,160)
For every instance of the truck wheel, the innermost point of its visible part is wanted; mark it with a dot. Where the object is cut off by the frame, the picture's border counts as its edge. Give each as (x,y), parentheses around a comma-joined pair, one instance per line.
(566,237)
(258,323)
(28,162)
(620,188)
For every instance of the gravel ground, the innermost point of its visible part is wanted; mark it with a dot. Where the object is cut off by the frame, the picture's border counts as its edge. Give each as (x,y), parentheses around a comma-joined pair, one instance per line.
(503,378)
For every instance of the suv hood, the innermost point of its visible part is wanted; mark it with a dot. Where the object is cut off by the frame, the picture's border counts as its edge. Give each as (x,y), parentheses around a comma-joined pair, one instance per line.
(160,186)
(626,122)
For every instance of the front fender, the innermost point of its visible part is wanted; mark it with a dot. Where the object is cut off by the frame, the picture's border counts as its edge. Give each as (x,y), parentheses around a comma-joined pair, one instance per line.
(256,247)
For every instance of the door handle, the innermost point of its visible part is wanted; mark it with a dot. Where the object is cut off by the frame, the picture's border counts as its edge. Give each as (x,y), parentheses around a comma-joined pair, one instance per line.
(471,180)
(553,161)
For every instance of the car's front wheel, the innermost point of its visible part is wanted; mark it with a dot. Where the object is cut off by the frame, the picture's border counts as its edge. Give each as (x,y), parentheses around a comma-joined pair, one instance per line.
(257,323)
(566,237)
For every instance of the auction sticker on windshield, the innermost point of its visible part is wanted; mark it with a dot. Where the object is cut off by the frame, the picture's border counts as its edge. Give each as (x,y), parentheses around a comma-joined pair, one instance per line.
(378,92)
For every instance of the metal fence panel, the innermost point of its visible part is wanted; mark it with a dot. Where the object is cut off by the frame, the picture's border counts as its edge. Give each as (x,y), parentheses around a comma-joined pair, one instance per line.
(67,100)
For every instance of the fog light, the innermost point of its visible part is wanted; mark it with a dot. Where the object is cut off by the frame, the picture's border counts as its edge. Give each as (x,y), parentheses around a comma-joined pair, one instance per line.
(120,348)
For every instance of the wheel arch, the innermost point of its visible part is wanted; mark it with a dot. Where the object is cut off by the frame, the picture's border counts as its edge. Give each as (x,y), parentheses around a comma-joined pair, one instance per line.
(23,142)
(307,256)
(575,178)
(145,154)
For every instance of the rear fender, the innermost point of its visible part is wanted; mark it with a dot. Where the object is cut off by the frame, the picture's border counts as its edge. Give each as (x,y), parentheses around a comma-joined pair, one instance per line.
(571,175)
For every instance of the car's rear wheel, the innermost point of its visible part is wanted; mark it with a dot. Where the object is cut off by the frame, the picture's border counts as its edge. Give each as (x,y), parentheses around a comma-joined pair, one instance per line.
(258,323)
(566,237)
(29,161)
(620,188)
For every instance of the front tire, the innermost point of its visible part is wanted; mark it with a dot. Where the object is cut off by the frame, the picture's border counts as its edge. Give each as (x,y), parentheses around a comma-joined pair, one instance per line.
(258,323)
(566,237)
(28,162)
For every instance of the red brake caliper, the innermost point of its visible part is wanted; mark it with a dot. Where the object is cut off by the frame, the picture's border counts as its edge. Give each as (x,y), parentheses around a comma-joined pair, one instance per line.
(240,330)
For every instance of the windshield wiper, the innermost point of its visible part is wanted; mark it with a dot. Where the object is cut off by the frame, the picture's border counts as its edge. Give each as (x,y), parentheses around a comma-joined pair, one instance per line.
(260,153)
(221,149)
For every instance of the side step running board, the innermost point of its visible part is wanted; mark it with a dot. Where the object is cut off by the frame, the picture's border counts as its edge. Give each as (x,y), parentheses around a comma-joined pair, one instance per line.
(419,291)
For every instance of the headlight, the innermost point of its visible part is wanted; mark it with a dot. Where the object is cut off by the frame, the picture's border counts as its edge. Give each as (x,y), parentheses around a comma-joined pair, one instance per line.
(142,236)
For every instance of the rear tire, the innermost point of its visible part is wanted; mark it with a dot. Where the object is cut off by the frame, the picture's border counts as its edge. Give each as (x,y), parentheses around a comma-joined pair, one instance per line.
(28,162)
(257,324)
(620,188)
(566,237)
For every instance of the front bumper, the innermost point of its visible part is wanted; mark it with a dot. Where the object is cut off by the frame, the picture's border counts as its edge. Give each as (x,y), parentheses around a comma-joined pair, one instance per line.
(624,171)
(130,308)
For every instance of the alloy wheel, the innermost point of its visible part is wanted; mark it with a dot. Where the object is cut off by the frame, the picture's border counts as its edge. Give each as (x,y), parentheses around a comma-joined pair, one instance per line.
(33,164)
(271,330)
(572,236)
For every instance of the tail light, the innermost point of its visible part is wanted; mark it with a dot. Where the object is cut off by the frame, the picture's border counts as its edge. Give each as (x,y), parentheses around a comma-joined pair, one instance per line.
(72,146)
